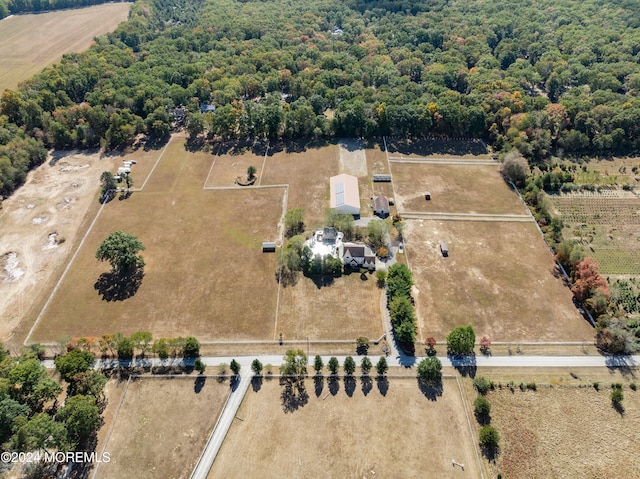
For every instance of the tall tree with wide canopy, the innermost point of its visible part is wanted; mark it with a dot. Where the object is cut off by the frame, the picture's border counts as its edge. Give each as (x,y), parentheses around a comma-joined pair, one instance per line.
(121,250)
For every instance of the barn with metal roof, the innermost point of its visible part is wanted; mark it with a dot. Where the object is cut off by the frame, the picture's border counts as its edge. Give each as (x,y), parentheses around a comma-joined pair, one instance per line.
(345,196)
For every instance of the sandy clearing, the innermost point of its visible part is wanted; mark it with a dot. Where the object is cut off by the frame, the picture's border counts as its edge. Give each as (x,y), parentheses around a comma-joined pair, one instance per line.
(54,200)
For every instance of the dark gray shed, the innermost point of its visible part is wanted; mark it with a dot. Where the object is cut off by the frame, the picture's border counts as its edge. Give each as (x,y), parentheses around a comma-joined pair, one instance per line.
(268,247)
(427,195)
(381,178)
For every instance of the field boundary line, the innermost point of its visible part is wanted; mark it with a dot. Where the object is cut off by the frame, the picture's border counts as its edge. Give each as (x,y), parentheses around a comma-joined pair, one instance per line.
(473,439)
(264,160)
(513,218)
(64,274)
(156,163)
(206,180)
(113,425)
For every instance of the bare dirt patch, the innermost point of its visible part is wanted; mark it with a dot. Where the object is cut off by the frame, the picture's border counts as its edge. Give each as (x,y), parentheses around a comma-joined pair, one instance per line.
(28,43)
(162,427)
(454,189)
(499,277)
(352,157)
(350,436)
(346,309)
(566,431)
(54,200)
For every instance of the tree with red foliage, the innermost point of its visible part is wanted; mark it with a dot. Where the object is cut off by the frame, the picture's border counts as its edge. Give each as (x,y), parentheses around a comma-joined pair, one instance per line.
(588,281)
(485,344)
(430,343)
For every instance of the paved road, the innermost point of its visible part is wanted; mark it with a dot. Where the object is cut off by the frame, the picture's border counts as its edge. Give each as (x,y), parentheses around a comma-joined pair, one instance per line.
(401,360)
(228,414)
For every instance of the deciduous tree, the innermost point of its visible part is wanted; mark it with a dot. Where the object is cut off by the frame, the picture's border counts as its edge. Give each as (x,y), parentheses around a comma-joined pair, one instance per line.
(461,340)
(121,250)
(430,370)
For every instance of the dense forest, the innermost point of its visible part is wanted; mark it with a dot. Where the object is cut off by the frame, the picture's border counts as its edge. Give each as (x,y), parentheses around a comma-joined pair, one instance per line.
(545,77)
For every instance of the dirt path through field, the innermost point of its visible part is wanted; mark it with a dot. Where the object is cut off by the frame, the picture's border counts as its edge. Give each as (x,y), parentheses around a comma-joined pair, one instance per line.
(40,225)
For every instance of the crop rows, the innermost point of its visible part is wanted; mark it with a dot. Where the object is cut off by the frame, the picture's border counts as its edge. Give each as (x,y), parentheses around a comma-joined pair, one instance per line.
(599,211)
(617,261)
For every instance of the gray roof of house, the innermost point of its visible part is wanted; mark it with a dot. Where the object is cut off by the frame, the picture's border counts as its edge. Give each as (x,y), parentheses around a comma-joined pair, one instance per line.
(381,203)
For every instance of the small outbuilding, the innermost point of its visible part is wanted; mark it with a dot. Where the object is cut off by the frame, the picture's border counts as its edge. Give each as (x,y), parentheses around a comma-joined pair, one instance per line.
(381,206)
(427,195)
(381,178)
(268,247)
(444,249)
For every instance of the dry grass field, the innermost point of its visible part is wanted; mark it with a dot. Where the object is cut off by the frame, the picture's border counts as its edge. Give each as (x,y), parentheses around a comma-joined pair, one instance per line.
(162,427)
(454,189)
(499,277)
(566,432)
(307,171)
(347,309)
(400,434)
(231,163)
(195,242)
(28,43)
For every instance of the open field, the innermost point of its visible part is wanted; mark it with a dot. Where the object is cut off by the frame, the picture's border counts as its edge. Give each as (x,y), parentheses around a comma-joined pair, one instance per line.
(437,148)
(307,171)
(347,309)
(350,436)
(567,432)
(499,277)
(454,189)
(162,427)
(231,163)
(193,245)
(41,224)
(194,240)
(28,43)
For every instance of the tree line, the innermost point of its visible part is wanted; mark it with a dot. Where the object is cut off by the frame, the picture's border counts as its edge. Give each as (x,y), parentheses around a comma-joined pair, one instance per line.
(12,7)
(536,76)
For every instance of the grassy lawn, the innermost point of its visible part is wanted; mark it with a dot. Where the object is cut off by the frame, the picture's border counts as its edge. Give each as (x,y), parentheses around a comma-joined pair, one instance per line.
(454,189)
(351,435)
(162,427)
(232,161)
(499,277)
(346,309)
(28,43)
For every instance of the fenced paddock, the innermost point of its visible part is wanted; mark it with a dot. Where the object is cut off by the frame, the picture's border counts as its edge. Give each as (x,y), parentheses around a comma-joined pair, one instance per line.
(354,433)
(162,426)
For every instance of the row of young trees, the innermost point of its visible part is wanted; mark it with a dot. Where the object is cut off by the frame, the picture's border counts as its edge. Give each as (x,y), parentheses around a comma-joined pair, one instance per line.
(139,344)
(540,77)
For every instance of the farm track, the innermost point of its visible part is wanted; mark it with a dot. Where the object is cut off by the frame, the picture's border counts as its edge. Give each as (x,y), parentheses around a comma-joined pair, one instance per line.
(512,218)
(441,161)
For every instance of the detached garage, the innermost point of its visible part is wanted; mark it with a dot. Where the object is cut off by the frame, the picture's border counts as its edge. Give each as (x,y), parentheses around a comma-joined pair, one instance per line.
(345,195)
